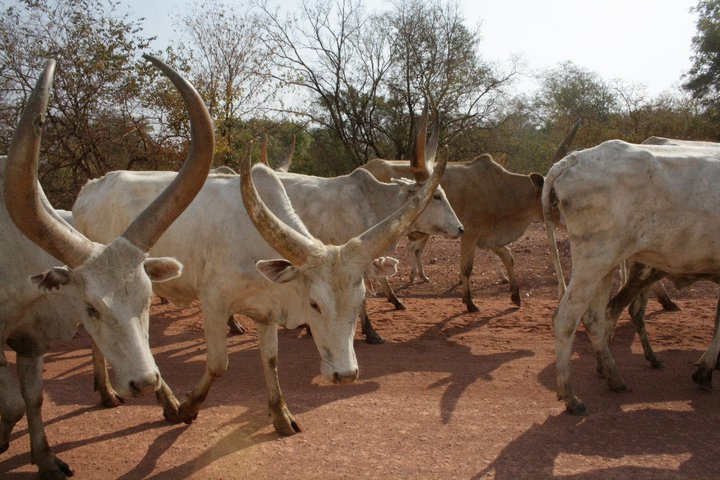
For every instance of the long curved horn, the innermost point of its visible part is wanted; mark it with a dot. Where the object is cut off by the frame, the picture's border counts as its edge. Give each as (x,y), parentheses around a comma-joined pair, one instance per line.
(285,165)
(157,217)
(378,238)
(263,151)
(432,145)
(565,145)
(418,165)
(24,199)
(286,241)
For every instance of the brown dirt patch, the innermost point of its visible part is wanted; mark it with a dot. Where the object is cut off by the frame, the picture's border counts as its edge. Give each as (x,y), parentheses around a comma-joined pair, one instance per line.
(449,395)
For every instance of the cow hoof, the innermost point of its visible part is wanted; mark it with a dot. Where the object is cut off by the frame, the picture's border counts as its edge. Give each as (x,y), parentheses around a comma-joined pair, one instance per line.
(58,470)
(576,407)
(236,327)
(187,413)
(374,339)
(424,279)
(620,387)
(4,447)
(399,305)
(172,415)
(515,298)
(111,400)
(472,308)
(287,428)
(703,377)
(286,425)
(656,363)
(668,305)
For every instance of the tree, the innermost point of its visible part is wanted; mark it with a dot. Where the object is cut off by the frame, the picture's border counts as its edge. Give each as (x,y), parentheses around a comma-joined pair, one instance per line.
(227,59)
(338,55)
(436,61)
(369,75)
(95,123)
(704,75)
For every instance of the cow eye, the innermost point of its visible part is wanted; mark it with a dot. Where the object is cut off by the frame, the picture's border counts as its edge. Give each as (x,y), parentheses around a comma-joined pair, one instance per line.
(315,306)
(436,196)
(92,312)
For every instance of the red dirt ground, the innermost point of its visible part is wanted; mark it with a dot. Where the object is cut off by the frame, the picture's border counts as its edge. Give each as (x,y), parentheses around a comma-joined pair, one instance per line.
(449,395)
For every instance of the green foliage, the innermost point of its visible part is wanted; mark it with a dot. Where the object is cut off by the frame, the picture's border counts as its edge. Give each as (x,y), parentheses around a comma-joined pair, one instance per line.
(94,125)
(354,83)
(704,75)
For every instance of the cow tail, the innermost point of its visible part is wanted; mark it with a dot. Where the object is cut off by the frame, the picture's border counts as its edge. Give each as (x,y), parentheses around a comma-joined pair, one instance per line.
(552,217)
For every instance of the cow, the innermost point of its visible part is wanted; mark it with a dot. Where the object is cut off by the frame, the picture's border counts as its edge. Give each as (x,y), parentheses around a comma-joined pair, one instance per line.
(229,247)
(494,205)
(358,200)
(659,290)
(654,205)
(636,291)
(54,278)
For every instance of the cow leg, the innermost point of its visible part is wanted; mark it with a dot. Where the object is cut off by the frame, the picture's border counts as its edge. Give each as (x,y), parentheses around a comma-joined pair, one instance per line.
(637,314)
(390,294)
(170,403)
(30,376)
(12,406)
(634,294)
(502,278)
(216,362)
(663,298)
(572,306)
(467,258)
(596,323)
(708,360)
(283,421)
(417,245)
(505,254)
(108,397)
(371,336)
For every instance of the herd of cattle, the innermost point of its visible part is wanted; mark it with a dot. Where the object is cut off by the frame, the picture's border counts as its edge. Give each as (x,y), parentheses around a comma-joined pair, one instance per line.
(260,243)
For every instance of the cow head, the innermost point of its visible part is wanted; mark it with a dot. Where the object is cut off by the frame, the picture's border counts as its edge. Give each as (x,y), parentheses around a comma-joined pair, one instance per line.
(108,285)
(329,279)
(438,217)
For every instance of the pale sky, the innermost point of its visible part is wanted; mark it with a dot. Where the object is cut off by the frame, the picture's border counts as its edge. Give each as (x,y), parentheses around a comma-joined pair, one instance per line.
(637,41)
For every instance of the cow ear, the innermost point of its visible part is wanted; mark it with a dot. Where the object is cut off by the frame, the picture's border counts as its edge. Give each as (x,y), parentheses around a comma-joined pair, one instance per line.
(56,277)
(162,269)
(277,271)
(537,180)
(384,267)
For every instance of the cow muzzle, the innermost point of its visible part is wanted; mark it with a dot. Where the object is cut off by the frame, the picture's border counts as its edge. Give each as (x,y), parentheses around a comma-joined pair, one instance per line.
(344,378)
(145,384)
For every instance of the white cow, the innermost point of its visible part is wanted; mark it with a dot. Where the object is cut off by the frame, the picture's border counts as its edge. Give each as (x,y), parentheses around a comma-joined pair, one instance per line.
(637,289)
(357,201)
(224,247)
(107,286)
(656,205)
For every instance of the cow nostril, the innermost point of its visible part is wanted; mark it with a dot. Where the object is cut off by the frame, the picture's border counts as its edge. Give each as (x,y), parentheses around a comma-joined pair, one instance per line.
(461,230)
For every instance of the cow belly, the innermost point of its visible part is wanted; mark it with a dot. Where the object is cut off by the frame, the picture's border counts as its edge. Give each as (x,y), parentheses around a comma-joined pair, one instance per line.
(679,264)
